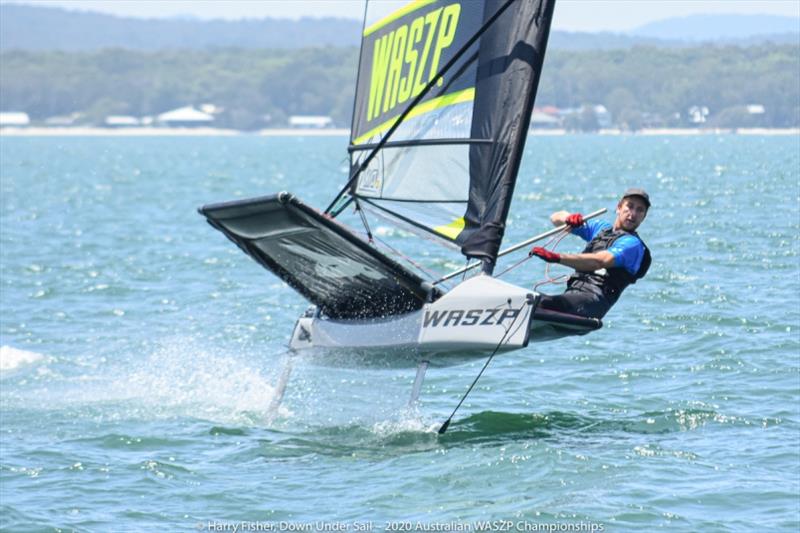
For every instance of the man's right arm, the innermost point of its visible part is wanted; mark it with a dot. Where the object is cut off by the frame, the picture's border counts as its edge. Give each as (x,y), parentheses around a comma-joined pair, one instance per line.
(559,218)
(578,226)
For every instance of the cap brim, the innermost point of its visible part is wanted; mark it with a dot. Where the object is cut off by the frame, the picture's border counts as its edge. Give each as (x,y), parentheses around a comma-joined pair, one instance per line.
(644,199)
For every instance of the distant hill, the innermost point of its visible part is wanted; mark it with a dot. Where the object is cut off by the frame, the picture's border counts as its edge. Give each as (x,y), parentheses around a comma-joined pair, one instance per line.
(728,28)
(44,28)
(569,40)
(26,27)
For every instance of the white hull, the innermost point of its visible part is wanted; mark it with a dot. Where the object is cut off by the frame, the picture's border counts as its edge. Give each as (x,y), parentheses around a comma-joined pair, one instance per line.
(477,317)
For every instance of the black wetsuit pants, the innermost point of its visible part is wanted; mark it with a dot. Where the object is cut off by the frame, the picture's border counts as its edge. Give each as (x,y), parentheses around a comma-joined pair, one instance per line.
(577,302)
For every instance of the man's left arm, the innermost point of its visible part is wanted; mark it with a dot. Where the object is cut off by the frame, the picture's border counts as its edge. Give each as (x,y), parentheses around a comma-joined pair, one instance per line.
(588,262)
(626,253)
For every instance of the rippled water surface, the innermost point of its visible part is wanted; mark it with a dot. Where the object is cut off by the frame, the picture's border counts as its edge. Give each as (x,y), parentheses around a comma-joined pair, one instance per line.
(140,349)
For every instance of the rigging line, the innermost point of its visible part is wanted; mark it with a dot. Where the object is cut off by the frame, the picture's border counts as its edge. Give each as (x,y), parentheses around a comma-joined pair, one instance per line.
(518,246)
(433,81)
(531,308)
(406,220)
(446,424)
(341,208)
(555,281)
(558,279)
(358,72)
(407,258)
(364,221)
(557,238)
(512,267)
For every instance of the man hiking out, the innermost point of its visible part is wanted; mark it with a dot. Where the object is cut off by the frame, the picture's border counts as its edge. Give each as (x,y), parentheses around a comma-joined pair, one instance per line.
(614,257)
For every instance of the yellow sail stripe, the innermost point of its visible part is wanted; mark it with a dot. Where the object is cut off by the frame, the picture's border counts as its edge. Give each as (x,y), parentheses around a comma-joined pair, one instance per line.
(467,95)
(405,10)
(451,230)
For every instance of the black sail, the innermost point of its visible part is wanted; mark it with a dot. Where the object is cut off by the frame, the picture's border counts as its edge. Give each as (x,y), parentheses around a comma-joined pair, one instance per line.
(509,66)
(449,169)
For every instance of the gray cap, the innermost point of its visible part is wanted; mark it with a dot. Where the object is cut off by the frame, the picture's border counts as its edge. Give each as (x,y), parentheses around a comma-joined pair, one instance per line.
(640,193)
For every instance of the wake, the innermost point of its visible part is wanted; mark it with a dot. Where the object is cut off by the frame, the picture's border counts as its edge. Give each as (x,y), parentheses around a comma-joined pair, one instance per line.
(13,359)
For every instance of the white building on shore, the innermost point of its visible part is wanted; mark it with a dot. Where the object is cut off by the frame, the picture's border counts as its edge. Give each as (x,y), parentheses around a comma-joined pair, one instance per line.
(310,121)
(122,121)
(185,117)
(14,119)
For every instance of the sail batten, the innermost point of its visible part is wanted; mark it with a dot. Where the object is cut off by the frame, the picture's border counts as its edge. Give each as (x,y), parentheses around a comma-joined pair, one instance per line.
(423,142)
(451,163)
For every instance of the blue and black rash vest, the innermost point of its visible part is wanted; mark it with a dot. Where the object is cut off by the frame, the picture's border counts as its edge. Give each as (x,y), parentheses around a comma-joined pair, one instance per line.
(608,283)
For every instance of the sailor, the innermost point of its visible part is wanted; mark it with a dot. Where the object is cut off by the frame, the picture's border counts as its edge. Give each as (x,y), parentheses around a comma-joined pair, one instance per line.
(614,257)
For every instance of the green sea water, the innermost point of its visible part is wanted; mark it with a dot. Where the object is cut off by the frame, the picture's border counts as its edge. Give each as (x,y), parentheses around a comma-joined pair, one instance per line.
(140,350)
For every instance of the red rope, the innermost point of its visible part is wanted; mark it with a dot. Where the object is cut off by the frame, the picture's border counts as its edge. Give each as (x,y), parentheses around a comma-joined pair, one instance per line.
(555,241)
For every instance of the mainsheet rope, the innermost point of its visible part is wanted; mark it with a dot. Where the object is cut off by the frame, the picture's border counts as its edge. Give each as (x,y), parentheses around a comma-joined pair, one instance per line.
(554,242)
(558,237)
(400,254)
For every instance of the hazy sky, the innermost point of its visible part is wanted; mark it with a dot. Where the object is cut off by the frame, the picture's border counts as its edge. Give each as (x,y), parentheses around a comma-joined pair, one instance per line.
(571,15)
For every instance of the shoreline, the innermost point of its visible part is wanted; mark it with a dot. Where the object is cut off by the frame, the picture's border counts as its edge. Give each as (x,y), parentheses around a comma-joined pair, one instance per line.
(167,132)
(341,132)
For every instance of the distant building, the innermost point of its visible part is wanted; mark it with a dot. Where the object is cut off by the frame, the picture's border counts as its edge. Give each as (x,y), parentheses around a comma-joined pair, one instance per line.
(14,119)
(310,121)
(543,118)
(211,109)
(588,117)
(654,120)
(603,116)
(122,121)
(185,117)
(63,121)
(698,114)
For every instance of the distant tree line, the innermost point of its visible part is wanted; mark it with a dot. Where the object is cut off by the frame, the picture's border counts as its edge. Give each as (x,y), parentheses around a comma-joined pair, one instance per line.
(647,86)
(642,86)
(254,88)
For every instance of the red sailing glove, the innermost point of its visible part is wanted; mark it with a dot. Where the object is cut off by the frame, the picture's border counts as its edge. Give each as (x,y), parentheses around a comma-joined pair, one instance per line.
(575,220)
(546,255)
